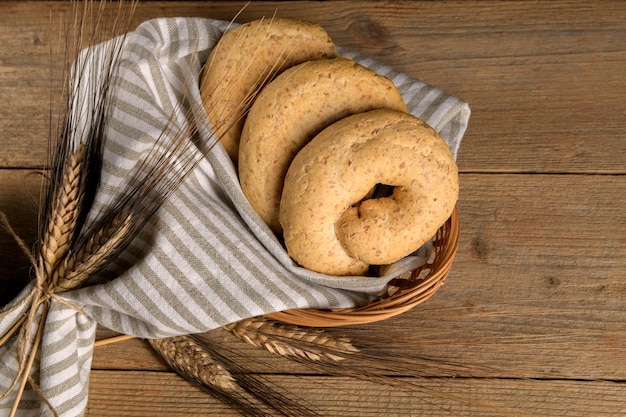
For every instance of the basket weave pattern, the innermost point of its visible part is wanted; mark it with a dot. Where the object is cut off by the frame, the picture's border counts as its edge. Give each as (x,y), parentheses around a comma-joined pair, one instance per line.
(420,286)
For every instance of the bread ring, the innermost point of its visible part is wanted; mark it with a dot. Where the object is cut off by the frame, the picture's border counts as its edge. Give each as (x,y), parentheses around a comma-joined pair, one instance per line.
(292,109)
(247,57)
(327,225)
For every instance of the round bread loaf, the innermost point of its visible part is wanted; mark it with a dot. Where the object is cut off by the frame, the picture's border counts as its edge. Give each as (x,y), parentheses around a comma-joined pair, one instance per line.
(292,109)
(329,223)
(246,58)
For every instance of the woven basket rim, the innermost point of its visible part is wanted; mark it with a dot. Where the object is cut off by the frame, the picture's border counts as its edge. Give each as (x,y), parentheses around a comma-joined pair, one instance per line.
(433,275)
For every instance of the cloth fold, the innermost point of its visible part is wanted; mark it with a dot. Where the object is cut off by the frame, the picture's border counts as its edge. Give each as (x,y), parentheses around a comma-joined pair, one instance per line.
(207,259)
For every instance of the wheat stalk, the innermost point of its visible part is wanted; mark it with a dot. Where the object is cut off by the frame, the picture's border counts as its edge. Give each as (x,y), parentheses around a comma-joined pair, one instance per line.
(193,361)
(292,341)
(57,266)
(218,371)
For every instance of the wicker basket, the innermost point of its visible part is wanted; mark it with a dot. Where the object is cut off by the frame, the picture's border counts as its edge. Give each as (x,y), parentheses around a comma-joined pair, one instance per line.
(411,291)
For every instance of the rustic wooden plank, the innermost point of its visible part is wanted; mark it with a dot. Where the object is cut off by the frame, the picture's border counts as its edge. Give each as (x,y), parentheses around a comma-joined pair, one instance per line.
(26,80)
(151,394)
(544,79)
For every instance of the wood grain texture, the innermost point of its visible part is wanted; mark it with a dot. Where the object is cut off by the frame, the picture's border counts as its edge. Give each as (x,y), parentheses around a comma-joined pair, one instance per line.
(544,80)
(161,394)
(533,314)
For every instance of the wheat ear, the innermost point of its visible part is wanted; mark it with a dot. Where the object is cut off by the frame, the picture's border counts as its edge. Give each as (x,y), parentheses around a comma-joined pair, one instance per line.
(64,212)
(292,341)
(96,252)
(189,359)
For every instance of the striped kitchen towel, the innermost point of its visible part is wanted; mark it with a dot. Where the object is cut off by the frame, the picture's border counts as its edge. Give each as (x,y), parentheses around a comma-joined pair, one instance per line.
(207,259)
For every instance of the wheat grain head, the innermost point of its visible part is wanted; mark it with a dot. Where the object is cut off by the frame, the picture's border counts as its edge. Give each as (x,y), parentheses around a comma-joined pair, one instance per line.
(283,339)
(188,358)
(64,213)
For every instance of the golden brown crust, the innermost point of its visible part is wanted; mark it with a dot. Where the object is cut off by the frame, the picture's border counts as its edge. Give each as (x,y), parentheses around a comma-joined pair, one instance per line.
(293,108)
(247,57)
(325,227)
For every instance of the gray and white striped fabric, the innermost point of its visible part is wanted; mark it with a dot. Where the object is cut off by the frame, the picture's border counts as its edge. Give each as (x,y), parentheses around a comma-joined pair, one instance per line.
(208,260)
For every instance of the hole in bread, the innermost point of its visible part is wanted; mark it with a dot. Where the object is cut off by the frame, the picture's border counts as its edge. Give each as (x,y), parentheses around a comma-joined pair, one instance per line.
(378,191)
(382,190)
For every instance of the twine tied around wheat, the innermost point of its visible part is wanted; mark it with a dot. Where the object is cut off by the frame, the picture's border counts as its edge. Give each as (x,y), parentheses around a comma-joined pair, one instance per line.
(63,261)
(52,270)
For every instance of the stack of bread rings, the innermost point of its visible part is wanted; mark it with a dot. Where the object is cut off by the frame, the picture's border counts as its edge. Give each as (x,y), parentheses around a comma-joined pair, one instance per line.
(326,151)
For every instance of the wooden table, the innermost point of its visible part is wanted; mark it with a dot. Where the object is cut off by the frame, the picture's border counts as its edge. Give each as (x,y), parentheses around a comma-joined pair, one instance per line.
(533,314)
